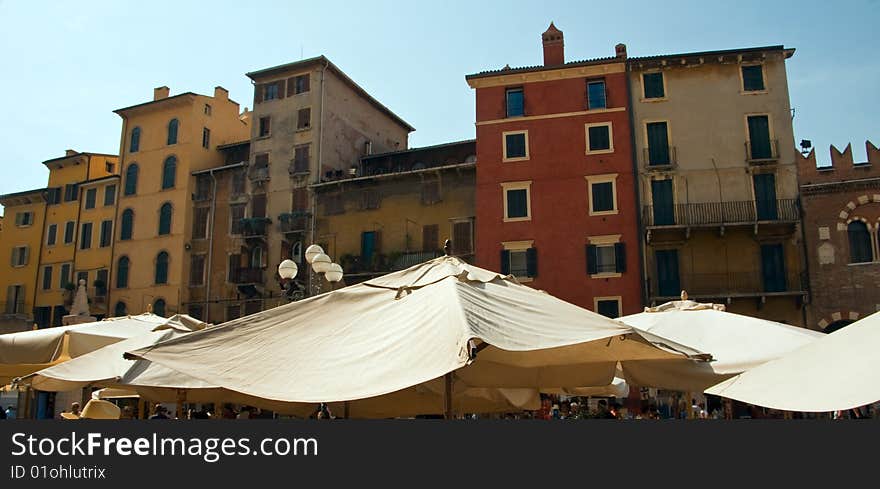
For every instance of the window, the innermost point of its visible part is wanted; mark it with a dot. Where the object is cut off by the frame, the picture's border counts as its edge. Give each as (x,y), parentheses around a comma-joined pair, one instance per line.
(605,255)
(773,267)
(265,124)
(334,204)
(760,145)
(106,233)
(20,256)
(127,225)
(207,109)
(65,275)
(122,267)
(236,213)
(47,278)
(197,270)
(131,179)
(663,202)
(258,257)
(765,196)
(654,86)
(596,94)
(668,281)
(110,195)
(753,78)
(301,159)
(172,131)
(517,205)
(135,141)
(431,192)
(270,91)
(165,219)
(101,282)
(233,264)
(91,197)
(24,219)
(463,237)
(159,307)
(516,145)
(298,84)
(109,167)
(203,187)
(85,241)
(51,234)
(200,222)
(169,171)
(520,259)
(69,230)
(603,194)
(71,192)
(195,310)
(120,309)
(15,298)
(304,118)
(515,102)
(599,138)
(258,205)
(430,237)
(43,316)
(238,181)
(608,306)
(53,196)
(161,276)
(370,199)
(206,138)
(859,242)
(657,134)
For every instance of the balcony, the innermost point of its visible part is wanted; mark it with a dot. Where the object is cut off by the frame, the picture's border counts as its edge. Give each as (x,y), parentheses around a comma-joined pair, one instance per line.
(255,227)
(247,276)
(762,152)
(710,214)
(701,286)
(294,222)
(298,167)
(259,174)
(659,159)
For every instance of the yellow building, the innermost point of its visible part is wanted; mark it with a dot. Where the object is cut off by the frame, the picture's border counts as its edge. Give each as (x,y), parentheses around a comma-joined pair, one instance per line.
(71,241)
(396,211)
(163,142)
(23,218)
(718,180)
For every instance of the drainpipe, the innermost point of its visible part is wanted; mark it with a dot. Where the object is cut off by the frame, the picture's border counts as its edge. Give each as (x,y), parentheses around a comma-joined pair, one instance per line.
(637,184)
(207,312)
(120,190)
(316,178)
(39,259)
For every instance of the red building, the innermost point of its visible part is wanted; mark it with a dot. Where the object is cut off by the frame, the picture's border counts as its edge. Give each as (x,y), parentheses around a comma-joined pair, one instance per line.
(555,196)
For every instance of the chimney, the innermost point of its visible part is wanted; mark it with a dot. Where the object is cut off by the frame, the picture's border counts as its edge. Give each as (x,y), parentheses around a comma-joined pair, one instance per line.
(221,93)
(160,93)
(554,51)
(620,51)
(69,152)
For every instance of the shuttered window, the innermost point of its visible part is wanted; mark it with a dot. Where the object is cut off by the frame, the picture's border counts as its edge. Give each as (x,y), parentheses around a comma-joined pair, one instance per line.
(515,102)
(131,179)
(134,144)
(122,267)
(106,233)
(653,83)
(517,203)
(462,238)
(85,241)
(165,219)
(430,237)
(515,145)
(173,125)
(127,225)
(52,234)
(110,195)
(69,230)
(161,276)
(603,196)
(47,278)
(753,78)
(596,95)
(520,263)
(91,197)
(304,118)
(599,137)
(859,242)
(169,172)
(200,222)
(609,258)
(197,270)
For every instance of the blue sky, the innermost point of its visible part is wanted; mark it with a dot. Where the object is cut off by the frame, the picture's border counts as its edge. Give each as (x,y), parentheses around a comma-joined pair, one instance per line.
(68,65)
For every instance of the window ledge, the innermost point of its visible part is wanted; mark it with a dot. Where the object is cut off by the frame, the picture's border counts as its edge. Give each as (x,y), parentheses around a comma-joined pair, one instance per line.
(754,92)
(606,275)
(303,129)
(605,213)
(524,280)
(260,138)
(600,152)
(653,100)
(508,160)
(517,219)
(864,263)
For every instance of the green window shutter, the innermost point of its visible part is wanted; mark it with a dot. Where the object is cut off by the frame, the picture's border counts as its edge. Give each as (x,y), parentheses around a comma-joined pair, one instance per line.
(532,262)
(505,262)
(619,257)
(592,260)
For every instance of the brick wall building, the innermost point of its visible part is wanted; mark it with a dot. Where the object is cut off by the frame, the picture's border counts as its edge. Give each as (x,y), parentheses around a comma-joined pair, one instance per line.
(841,206)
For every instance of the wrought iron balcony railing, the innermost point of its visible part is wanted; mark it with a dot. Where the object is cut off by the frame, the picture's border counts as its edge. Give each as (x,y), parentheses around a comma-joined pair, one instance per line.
(720,213)
(752,283)
(758,152)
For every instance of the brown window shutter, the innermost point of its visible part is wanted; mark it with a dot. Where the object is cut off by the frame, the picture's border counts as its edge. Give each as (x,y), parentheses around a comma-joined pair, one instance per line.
(261,160)
(300,199)
(306,79)
(291,86)
(430,237)
(258,93)
(281,86)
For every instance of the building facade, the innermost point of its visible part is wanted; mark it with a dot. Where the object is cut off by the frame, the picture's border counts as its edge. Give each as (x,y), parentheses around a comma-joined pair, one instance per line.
(163,142)
(397,210)
(311,123)
(555,198)
(717,178)
(23,216)
(841,206)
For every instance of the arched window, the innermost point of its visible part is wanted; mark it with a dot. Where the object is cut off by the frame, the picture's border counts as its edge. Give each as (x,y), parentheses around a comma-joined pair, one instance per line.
(131,179)
(135,144)
(127,227)
(159,307)
(122,272)
(257,256)
(162,268)
(859,242)
(172,131)
(169,169)
(165,219)
(120,309)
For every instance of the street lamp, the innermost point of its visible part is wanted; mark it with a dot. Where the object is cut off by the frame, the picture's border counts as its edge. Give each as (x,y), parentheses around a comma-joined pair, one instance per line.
(321,264)
(287,270)
(312,252)
(333,273)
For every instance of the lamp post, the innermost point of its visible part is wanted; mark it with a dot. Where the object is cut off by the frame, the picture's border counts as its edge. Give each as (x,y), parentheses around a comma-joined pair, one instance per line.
(321,264)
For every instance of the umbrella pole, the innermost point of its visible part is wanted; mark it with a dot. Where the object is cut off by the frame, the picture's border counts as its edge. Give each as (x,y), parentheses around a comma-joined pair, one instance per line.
(181,399)
(447,397)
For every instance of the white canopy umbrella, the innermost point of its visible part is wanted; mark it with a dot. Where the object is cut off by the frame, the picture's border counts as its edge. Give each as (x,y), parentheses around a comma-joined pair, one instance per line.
(836,372)
(737,343)
(406,329)
(29,351)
